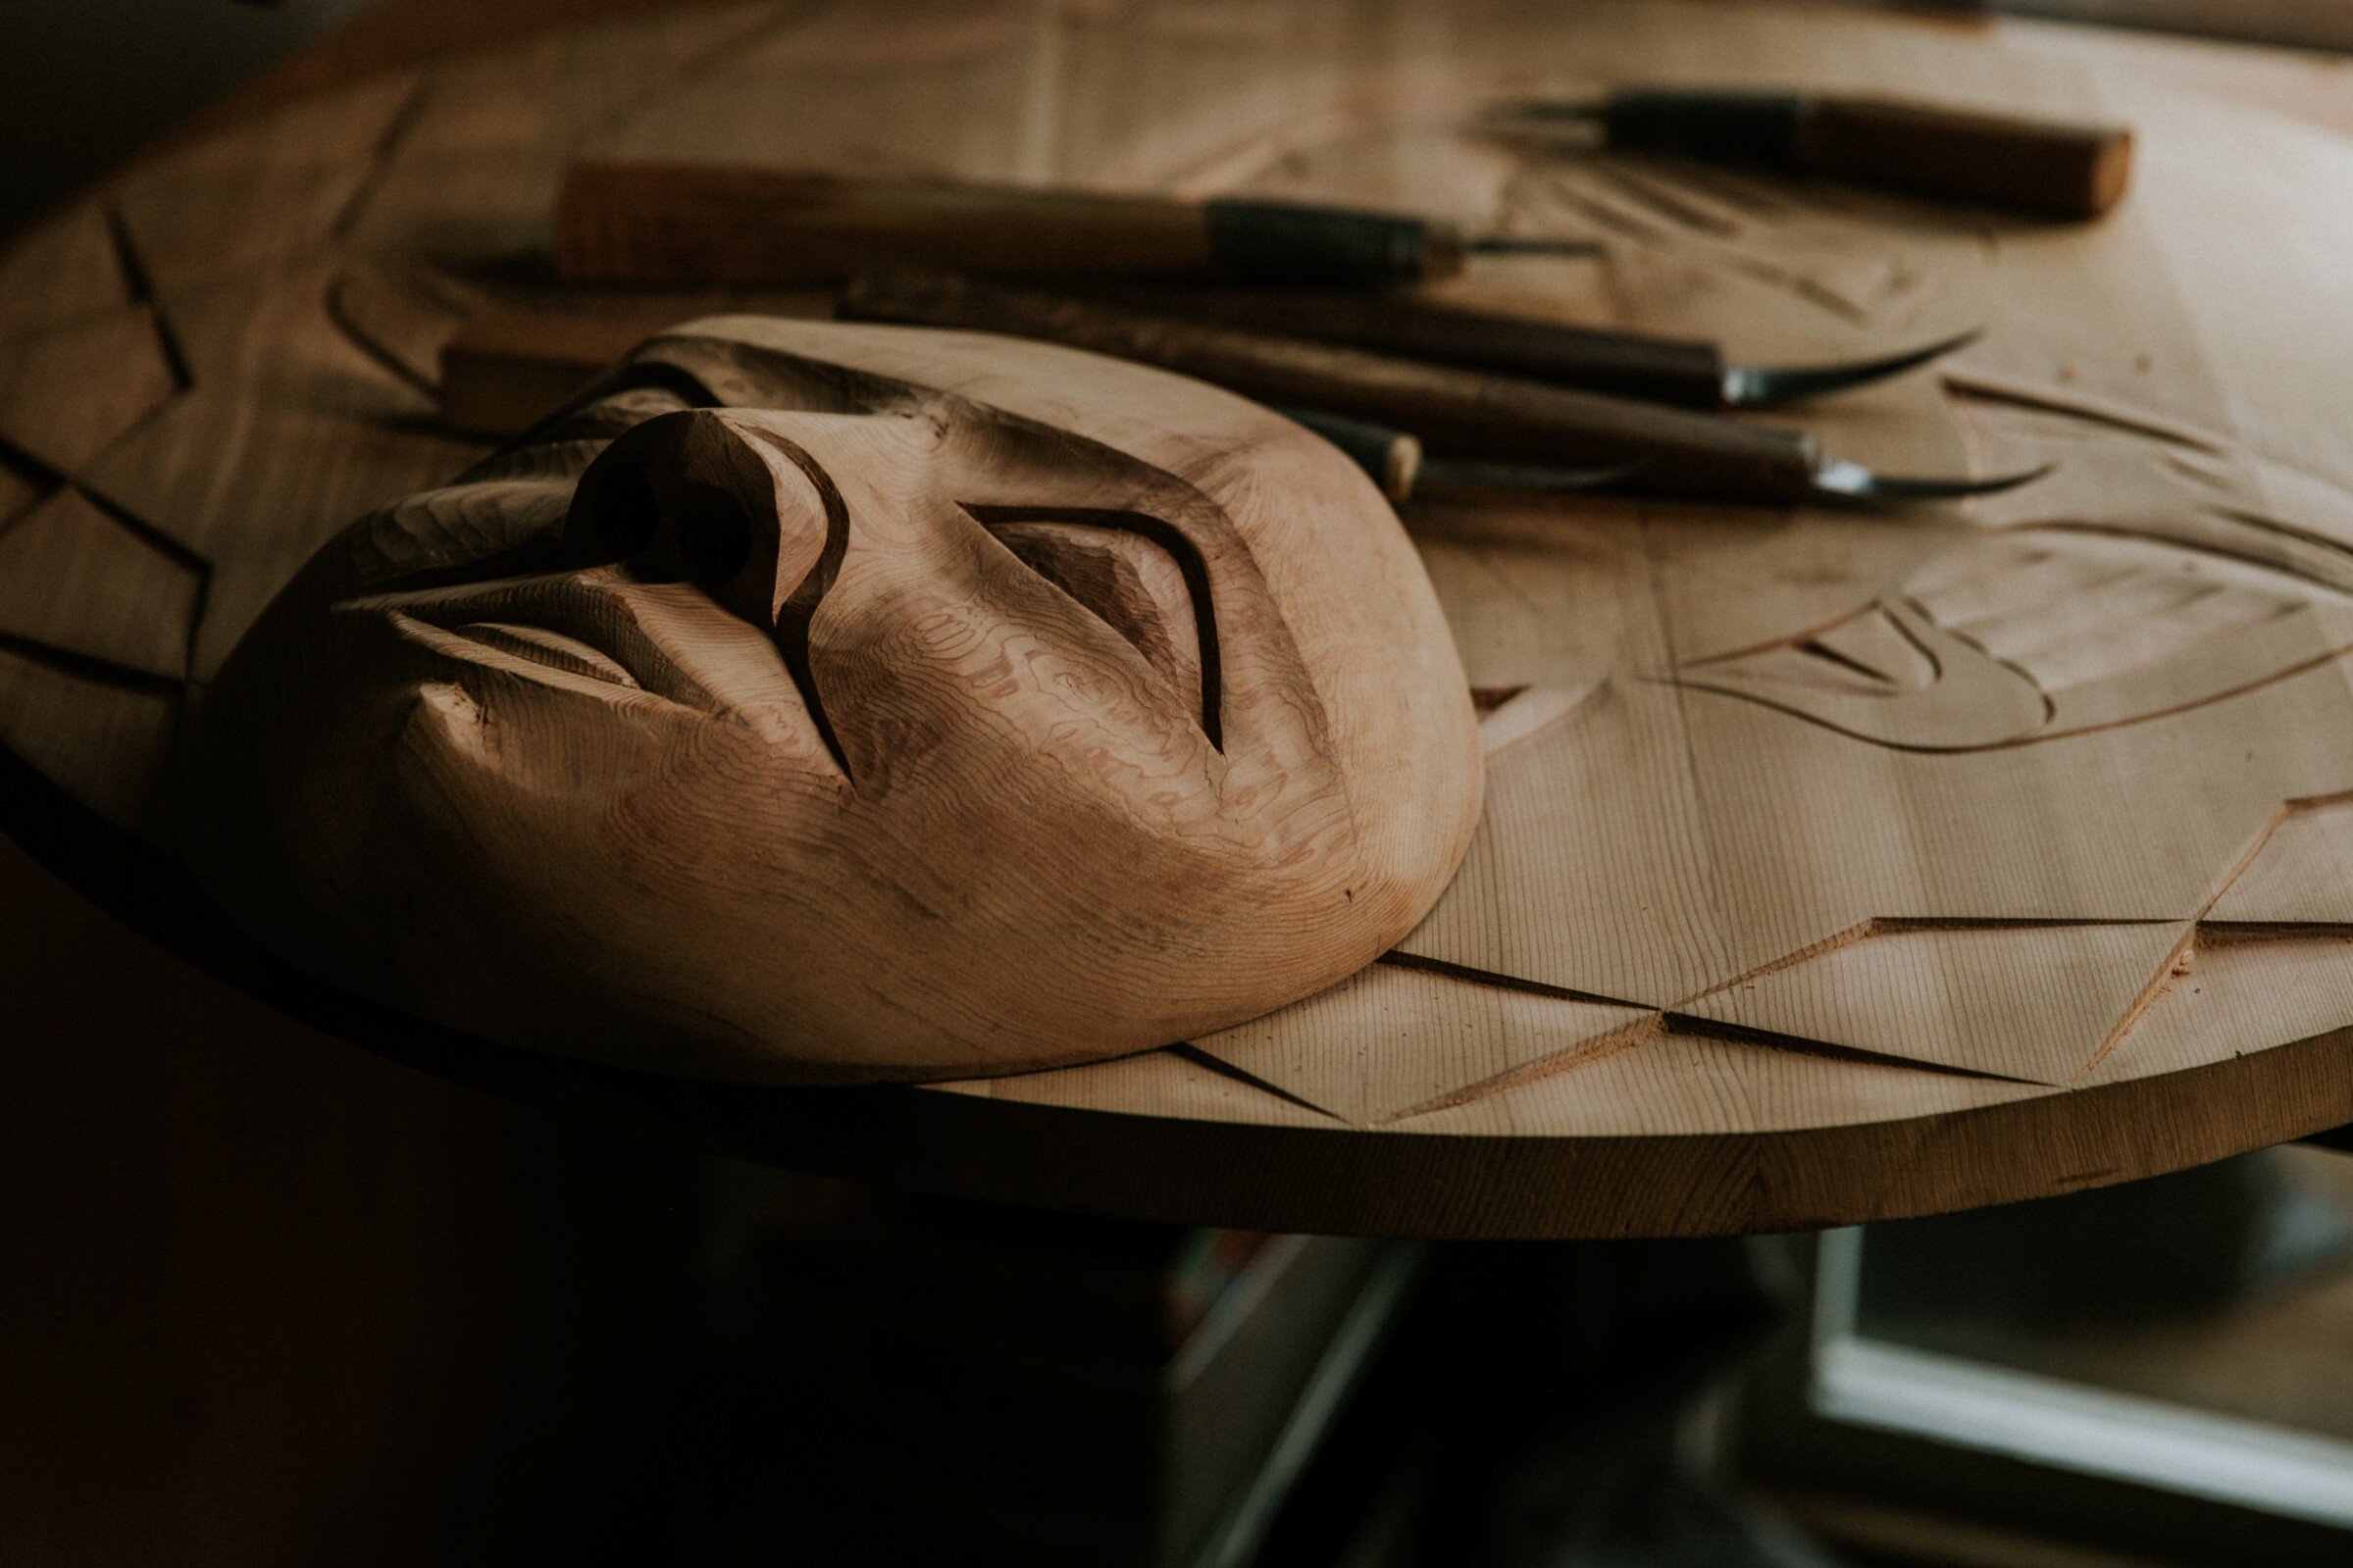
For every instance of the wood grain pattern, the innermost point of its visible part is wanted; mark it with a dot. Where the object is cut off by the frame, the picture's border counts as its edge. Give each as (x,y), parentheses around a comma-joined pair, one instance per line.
(1042,707)
(1831,868)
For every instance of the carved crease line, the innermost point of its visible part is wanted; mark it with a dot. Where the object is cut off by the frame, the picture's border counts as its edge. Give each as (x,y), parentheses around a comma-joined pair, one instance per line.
(397,127)
(1994,387)
(1399,958)
(1900,925)
(1584,1053)
(1806,1045)
(2170,967)
(1862,931)
(1529,712)
(2228,933)
(1729,186)
(2292,806)
(1659,198)
(1188,1051)
(1884,606)
(140,283)
(1911,634)
(1189,563)
(146,532)
(339,315)
(2032,739)
(1791,640)
(1816,649)
(1487,700)
(2264,522)
(90,667)
(44,480)
(2258,933)
(1603,213)
(1811,290)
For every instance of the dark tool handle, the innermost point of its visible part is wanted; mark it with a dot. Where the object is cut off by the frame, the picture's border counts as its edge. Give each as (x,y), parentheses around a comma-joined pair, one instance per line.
(1273,244)
(2037,166)
(1656,370)
(688,223)
(1454,412)
(2045,167)
(1392,457)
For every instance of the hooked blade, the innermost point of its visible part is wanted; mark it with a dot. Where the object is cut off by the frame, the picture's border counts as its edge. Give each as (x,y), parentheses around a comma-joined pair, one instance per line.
(1852,481)
(1760,386)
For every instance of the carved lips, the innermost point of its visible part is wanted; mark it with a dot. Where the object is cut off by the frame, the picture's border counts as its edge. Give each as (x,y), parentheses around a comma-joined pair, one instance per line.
(782,715)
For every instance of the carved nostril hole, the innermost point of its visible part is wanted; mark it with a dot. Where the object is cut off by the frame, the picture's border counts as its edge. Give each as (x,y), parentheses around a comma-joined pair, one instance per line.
(714,533)
(624,512)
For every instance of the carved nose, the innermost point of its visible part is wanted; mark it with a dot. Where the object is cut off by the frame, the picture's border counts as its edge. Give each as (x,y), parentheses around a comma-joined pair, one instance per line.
(720,498)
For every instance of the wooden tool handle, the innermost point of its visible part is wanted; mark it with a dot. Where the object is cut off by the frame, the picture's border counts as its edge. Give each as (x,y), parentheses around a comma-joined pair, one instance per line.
(1658,370)
(2045,167)
(682,224)
(2065,170)
(1454,412)
(1392,458)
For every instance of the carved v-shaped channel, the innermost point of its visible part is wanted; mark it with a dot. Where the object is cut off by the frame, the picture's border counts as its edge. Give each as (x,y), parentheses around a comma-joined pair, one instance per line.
(1168,615)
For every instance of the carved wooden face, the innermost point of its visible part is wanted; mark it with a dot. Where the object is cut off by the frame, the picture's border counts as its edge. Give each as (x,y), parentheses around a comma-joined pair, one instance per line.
(852,702)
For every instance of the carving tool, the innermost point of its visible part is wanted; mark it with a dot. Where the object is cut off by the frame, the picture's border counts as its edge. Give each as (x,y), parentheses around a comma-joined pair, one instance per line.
(701,224)
(1399,466)
(2046,167)
(1657,370)
(1455,412)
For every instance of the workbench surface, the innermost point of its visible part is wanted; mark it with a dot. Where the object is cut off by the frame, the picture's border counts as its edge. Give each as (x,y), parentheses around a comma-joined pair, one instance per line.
(1837,866)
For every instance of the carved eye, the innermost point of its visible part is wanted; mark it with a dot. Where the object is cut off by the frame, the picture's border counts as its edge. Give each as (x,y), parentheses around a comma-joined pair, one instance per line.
(1138,574)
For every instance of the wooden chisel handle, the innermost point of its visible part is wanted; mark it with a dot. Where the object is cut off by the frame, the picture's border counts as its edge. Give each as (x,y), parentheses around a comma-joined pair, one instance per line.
(1392,459)
(1655,370)
(691,224)
(1454,412)
(2047,167)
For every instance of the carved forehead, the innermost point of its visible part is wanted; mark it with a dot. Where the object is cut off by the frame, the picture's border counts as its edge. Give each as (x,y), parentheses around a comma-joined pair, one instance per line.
(1165,422)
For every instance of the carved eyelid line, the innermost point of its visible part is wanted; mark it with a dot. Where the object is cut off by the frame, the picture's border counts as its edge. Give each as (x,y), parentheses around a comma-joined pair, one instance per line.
(792,630)
(1189,565)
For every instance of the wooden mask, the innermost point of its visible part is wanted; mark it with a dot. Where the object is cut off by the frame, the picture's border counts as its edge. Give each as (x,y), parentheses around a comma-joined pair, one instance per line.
(841,703)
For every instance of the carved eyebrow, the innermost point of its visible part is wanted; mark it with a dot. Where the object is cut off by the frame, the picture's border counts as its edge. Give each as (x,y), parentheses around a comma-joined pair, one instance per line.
(1179,549)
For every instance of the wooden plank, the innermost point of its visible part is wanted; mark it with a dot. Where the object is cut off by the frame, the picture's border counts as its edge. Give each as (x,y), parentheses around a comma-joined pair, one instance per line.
(119,365)
(81,579)
(1907,810)
(103,741)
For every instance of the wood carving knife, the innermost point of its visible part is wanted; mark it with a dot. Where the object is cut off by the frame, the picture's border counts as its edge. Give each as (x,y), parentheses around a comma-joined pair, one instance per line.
(2047,167)
(1454,412)
(1657,370)
(1397,465)
(701,224)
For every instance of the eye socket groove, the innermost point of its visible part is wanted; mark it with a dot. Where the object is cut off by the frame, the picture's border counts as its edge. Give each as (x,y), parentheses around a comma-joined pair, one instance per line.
(1004,521)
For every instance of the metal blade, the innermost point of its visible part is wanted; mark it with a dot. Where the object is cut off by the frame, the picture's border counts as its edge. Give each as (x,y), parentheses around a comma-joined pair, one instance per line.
(1754,386)
(1530,245)
(1853,482)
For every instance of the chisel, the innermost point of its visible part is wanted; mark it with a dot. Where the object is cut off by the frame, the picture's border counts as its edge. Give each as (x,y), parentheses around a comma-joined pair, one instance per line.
(1454,412)
(1656,370)
(632,222)
(2047,167)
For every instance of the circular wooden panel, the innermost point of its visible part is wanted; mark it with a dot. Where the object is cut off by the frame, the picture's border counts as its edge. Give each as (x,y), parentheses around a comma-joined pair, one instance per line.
(1836,867)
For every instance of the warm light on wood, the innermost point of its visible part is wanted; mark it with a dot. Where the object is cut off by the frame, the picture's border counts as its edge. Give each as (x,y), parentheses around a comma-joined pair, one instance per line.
(1832,866)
